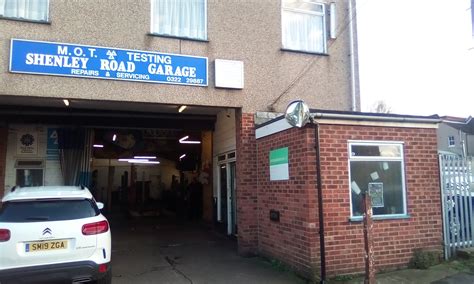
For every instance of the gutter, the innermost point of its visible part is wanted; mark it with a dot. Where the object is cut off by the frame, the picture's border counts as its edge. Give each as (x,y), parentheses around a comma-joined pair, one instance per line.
(319,115)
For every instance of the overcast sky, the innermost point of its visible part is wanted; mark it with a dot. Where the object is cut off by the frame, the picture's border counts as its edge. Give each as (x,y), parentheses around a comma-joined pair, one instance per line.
(417,56)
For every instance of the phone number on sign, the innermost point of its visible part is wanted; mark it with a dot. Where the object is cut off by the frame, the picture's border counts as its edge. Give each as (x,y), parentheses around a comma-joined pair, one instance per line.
(188,80)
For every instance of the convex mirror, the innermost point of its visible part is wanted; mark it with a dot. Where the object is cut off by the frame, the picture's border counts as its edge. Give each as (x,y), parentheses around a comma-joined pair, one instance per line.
(297,114)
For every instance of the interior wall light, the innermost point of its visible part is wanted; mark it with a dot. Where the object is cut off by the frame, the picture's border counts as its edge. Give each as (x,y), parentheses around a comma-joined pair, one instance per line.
(185,140)
(66,102)
(182,108)
(182,156)
(114,137)
(98,146)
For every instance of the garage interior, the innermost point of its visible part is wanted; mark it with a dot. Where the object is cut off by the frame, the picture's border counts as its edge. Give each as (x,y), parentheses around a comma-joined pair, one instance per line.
(145,160)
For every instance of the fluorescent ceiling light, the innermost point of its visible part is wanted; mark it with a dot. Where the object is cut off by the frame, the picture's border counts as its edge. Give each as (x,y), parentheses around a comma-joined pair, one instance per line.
(185,140)
(139,161)
(181,108)
(182,156)
(144,162)
(144,157)
(114,137)
(131,159)
(66,102)
(98,146)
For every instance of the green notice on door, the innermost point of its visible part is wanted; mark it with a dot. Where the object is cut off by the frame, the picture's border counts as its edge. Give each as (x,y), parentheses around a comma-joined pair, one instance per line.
(279,164)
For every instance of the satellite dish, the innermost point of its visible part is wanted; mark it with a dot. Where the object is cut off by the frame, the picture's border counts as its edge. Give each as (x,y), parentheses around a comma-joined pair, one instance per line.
(297,114)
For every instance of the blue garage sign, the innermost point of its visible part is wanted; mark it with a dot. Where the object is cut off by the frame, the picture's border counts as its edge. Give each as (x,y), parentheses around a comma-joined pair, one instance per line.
(61,59)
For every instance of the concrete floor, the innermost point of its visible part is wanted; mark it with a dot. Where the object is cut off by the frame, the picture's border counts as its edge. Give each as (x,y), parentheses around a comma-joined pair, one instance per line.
(163,250)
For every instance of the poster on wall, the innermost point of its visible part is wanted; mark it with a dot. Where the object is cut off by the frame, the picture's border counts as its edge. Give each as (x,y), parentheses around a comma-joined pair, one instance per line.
(376,194)
(279,164)
(52,149)
(27,143)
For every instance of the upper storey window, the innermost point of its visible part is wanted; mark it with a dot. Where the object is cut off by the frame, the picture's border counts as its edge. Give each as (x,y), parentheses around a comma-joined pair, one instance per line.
(179,18)
(303,26)
(33,10)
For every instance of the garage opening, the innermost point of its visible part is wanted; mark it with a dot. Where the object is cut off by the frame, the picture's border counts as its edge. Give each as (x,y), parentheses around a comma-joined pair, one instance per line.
(143,160)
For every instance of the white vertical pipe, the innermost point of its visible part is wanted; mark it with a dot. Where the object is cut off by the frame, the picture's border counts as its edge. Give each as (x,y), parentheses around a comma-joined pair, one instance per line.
(351,42)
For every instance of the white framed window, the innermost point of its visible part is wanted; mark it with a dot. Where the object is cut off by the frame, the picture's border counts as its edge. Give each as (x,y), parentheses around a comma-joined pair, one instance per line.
(451,141)
(33,10)
(377,168)
(303,25)
(29,172)
(179,18)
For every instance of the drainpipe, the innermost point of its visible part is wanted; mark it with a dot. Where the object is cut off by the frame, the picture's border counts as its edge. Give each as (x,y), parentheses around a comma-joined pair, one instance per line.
(322,246)
(353,63)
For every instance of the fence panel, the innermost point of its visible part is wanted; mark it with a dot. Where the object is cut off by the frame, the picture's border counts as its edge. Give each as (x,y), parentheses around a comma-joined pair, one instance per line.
(457,191)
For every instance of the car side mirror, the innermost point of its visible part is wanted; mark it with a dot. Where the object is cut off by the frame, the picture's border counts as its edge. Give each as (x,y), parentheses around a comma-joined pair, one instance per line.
(100,205)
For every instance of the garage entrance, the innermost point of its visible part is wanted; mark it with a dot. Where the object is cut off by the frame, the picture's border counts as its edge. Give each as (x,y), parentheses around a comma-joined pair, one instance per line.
(143,160)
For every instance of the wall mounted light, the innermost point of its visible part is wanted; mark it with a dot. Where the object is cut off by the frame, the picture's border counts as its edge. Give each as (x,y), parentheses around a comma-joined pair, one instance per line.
(185,140)
(182,156)
(98,146)
(182,108)
(66,102)
(114,137)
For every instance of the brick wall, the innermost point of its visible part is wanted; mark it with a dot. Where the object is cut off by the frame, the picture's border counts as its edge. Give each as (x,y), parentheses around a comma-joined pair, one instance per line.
(295,238)
(3,155)
(246,180)
(394,240)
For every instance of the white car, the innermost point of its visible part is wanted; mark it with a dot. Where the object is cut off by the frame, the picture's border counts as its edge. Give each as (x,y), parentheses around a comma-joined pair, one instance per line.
(52,234)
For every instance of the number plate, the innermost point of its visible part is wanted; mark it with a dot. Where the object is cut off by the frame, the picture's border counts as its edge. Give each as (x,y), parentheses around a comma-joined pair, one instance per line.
(46,245)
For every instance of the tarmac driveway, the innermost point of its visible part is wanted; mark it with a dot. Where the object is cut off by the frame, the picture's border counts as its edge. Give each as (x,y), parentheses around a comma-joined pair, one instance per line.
(154,250)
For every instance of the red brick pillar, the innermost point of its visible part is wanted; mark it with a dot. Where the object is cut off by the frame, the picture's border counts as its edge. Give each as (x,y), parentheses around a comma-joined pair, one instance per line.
(3,157)
(246,184)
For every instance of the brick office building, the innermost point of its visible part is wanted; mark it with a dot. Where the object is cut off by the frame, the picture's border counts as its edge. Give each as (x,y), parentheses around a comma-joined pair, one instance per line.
(394,155)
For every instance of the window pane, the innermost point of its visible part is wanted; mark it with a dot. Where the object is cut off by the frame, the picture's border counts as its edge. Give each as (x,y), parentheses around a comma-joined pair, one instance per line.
(303,31)
(386,177)
(303,5)
(39,211)
(29,177)
(25,9)
(375,151)
(182,18)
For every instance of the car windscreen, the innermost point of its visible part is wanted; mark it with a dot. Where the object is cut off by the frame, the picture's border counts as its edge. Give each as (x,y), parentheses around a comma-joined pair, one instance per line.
(47,210)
